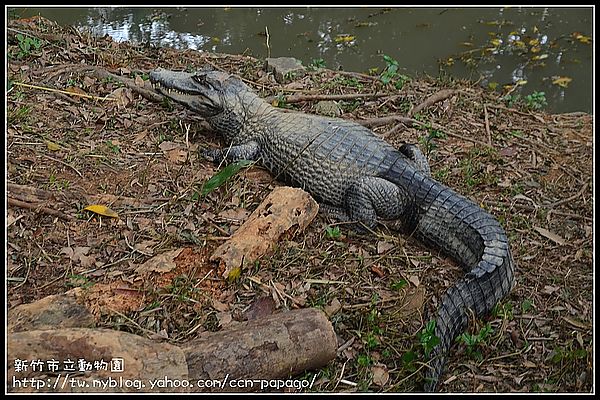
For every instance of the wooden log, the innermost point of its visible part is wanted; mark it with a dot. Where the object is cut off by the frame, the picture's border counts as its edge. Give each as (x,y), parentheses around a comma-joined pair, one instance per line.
(147,366)
(52,312)
(282,213)
(260,354)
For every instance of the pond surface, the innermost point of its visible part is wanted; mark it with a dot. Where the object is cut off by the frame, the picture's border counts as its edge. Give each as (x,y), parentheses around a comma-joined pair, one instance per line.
(537,49)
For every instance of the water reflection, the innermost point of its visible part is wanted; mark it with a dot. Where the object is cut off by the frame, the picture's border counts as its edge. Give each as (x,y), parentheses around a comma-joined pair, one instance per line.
(506,45)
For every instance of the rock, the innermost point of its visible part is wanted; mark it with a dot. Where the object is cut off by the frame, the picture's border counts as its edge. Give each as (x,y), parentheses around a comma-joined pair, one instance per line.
(328,108)
(284,68)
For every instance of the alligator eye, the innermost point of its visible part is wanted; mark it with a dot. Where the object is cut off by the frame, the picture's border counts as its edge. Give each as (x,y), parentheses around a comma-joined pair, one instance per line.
(201,79)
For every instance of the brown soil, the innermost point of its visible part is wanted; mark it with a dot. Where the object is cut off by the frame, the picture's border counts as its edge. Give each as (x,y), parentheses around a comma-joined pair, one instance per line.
(530,169)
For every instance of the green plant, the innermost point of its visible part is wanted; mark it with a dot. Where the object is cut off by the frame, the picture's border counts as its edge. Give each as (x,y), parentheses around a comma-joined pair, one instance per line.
(427,337)
(398,284)
(316,63)
(222,176)
(428,142)
(26,44)
(473,342)
(333,232)
(390,71)
(113,147)
(77,280)
(536,101)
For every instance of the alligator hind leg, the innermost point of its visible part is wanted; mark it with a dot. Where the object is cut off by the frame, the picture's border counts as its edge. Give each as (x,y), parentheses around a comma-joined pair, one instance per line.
(245,151)
(374,197)
(416,156)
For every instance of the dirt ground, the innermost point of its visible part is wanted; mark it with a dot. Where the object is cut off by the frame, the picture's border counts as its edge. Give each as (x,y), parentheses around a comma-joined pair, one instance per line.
(65,151)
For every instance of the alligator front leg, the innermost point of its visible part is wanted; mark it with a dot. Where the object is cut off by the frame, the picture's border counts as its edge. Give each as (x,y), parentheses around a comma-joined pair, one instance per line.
(245,151)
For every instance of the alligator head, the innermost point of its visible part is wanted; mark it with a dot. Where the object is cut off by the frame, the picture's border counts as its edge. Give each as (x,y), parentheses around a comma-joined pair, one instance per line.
(209,93)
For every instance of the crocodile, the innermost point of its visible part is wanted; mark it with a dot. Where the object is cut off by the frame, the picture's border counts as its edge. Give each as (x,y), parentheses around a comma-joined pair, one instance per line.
(358,177)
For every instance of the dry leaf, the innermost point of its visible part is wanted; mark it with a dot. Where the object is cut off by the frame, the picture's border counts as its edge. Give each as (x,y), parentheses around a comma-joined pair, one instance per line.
(52,146)
(262,307)
(380,374)
(102,210)
(333,307)
(549,235)
(221,307)
(160,263)
(384,247)
(562,81)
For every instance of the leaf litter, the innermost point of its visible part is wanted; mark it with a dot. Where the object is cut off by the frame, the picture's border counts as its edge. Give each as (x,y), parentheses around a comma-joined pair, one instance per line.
(135,156)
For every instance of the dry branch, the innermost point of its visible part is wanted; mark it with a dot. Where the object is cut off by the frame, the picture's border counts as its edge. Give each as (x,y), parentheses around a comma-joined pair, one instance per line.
(323,97)
(431,100)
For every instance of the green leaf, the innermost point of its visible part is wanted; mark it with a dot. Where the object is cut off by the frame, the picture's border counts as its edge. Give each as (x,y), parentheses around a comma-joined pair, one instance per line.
(222,176)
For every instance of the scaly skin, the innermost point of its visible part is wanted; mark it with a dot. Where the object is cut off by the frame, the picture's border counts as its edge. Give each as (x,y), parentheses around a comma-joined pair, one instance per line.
(360,177)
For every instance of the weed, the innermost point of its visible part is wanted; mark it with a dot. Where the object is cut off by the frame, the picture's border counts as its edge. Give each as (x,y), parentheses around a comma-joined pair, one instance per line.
(473,342)
(77,280)
(364,360)
(526,306)
(408,361)
(428,142)
(536,101)
(442,174)
(316,63)
(26,45)
(398,284)
(390,73)
(333,232)
(113,147)
(19,115)
(427,338)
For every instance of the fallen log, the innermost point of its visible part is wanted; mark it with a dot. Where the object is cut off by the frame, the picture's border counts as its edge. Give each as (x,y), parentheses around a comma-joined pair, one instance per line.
(260,354)
(283,212)
(83,360)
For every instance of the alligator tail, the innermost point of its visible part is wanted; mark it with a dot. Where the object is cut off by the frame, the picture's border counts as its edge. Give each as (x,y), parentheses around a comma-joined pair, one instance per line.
(470,235)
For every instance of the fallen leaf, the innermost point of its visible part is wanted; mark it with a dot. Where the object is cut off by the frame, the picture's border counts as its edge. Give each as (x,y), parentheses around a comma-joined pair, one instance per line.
(384,247)
(52,146)
(344,38)
(333,307)
(262,307)
(221,307)
(102,210)
(160,263)
(224,318)
(562,81)
(380,374)
(549,235)
(414,279)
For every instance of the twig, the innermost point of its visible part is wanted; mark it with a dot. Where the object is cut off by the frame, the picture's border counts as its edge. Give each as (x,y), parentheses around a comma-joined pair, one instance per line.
(576,195)
(319,97)
(487,125)
(372,122)
(130,83)
(87,96)
(37,207)
(434,98)
(268,37)
(64,163)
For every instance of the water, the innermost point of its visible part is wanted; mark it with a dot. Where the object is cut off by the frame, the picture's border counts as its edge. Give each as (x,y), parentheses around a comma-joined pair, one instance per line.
(532,45)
